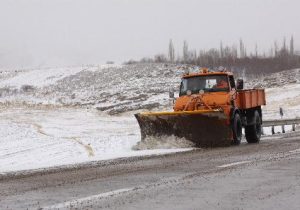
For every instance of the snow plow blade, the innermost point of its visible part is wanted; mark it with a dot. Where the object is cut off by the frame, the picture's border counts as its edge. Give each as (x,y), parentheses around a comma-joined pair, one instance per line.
(203,128)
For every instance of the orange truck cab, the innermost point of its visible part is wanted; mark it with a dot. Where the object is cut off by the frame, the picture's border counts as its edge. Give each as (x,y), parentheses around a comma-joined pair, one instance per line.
(206,90)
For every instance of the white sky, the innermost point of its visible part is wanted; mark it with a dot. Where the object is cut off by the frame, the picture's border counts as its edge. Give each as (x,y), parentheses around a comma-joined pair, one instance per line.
(75,32)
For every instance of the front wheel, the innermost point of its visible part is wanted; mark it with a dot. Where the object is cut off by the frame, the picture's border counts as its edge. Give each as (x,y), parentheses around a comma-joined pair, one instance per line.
(253,132)
(237,129)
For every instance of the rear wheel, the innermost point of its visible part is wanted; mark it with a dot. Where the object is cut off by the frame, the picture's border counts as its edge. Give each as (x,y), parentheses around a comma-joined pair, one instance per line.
(237,129)
(253,132)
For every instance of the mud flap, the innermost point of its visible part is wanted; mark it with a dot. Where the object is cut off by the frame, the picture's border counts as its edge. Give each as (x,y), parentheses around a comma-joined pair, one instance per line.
(207,129)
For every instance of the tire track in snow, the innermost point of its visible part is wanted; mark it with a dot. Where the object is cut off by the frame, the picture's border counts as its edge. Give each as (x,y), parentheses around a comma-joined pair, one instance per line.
(87,147)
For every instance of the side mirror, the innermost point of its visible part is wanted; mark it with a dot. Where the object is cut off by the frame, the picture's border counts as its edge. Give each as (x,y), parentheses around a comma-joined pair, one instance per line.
(240,84)
(171,94)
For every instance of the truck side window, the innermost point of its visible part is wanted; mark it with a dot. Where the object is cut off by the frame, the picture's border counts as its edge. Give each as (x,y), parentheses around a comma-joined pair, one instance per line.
(231,80)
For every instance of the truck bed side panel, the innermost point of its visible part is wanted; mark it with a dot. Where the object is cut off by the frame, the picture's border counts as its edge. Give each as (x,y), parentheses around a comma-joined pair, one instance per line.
(251,98)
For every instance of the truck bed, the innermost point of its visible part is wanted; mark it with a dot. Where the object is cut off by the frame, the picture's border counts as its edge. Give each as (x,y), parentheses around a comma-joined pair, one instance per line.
(251,98)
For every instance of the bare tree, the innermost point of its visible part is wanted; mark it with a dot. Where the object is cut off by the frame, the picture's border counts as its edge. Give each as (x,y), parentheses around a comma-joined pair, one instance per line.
(284,44)
(275,49)
(171,52)
(292,46)
(221,50)
(185,51)
(160,58)
(256,50)
(242,49)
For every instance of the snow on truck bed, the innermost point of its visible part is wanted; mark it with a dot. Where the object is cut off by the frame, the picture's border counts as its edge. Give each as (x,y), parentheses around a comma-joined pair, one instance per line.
(60,116)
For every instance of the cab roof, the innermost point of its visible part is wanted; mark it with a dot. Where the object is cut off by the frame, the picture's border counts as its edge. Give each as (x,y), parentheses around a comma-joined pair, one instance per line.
(205,72)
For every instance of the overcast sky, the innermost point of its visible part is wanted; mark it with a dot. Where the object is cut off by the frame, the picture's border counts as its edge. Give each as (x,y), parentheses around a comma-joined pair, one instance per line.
(74,32)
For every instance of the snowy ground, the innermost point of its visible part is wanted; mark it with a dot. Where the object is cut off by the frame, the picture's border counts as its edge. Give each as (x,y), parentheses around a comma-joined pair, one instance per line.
(288,98)
(37,138)
(62,116)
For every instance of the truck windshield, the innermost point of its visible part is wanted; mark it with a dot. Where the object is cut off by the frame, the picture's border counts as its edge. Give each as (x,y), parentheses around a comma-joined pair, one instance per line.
(214,83)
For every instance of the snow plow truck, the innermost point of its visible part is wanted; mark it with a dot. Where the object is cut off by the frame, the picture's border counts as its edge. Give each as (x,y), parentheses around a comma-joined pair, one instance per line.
(211,111)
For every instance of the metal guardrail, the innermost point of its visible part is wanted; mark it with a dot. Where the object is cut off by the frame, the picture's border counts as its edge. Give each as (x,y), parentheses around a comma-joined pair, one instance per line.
(268,123)
(282,123)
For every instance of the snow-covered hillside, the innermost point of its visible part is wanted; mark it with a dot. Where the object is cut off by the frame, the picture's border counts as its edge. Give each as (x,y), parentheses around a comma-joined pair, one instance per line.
(279,79)
(110,88)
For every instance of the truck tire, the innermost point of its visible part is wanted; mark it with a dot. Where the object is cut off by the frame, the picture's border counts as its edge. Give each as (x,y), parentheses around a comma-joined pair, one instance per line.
(237,129)
(253,132)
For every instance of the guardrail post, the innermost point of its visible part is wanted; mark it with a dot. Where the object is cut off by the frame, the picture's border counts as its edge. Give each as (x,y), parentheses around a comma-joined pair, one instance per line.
(294,127)
(282,128)
(273,131)
(262,131)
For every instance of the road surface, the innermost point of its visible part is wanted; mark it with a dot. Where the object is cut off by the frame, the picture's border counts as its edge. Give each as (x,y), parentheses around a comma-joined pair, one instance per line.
(249,176)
